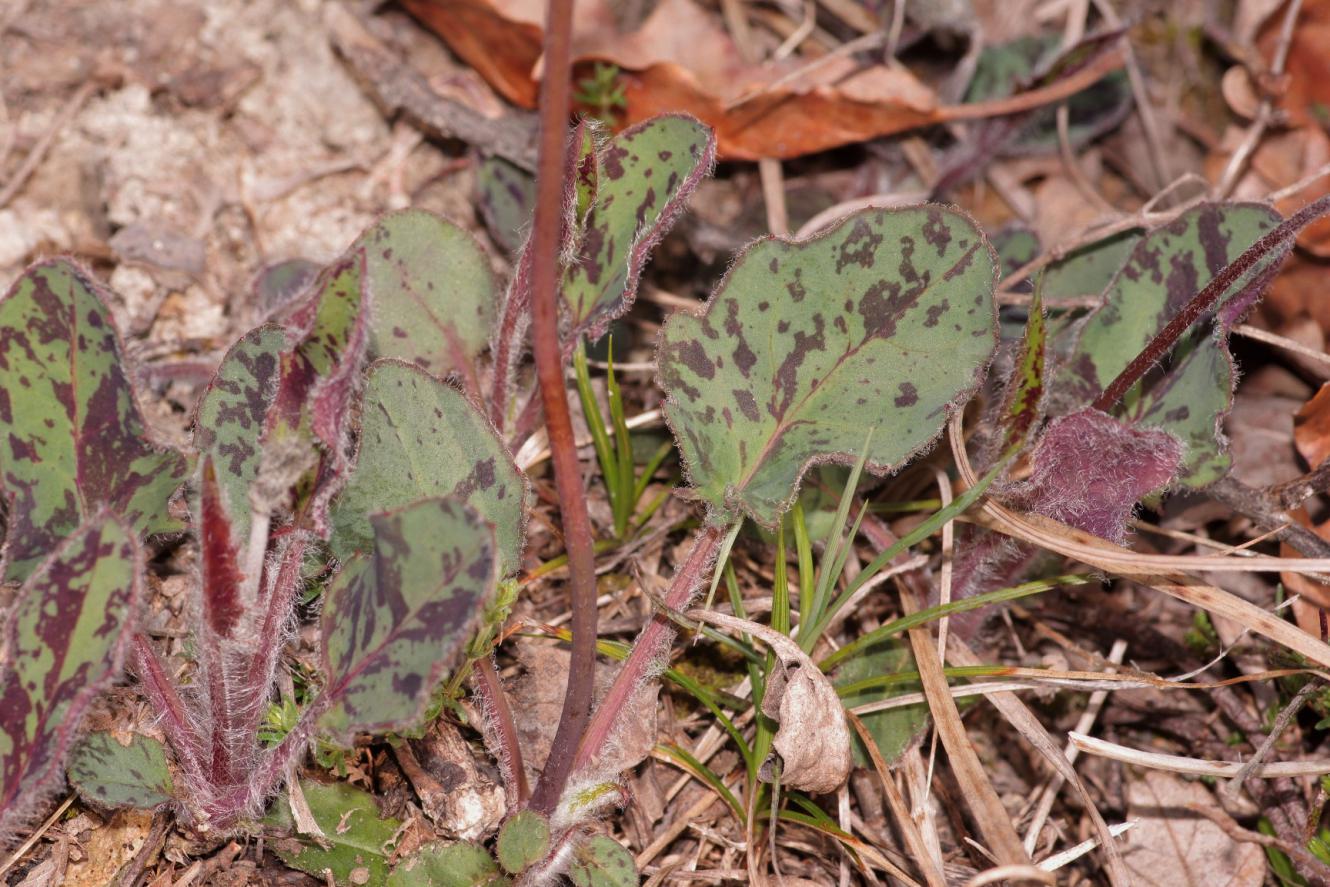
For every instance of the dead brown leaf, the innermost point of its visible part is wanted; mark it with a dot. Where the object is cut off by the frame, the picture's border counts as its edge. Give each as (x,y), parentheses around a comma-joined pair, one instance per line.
(683,59)
(1173,846)
(813,740)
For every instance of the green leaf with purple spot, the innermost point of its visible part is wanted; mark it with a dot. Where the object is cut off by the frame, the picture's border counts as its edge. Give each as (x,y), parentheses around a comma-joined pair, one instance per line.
(64,640)
(601,861)
(1193,390)
(72,439)
(432,290)
(108,773)
(421,437)
(393,622)
(229,422)
(883,324)
(523,841)
(506,197)
(642,178)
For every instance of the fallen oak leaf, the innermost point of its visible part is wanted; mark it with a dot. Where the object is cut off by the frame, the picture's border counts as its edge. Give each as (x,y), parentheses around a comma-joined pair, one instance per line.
(682,60)
(813,740)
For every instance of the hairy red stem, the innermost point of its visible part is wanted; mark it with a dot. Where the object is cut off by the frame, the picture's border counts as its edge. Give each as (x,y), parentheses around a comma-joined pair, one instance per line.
(1205,300)
(175,719)
(648,653)
(546,236)
(500,719)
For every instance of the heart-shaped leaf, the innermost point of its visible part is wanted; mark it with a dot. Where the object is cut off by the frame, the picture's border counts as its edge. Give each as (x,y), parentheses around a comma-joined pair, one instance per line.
(356,843)
(395,621)
(74,440)
(448,865)
(433,292)
(64,641)
(421,437)
(883,324)
(1165,269)
(229,422)
(641,179)
(110,774)
(523,841)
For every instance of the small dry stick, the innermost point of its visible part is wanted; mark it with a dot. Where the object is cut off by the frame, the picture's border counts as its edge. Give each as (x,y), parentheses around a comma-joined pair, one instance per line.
(1231,791)
(38,152)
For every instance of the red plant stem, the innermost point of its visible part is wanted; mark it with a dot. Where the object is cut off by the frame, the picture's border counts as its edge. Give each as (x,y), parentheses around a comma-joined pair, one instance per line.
(281,597)
(170,707)
(649,651)
(1205,300)
(504,349)
(546,236)
(505,731)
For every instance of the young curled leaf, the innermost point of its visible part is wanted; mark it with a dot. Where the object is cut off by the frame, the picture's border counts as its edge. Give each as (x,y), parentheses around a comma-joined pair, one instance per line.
(230,418)
(396,620)
(73,437)
(884,324)
(64,641)
(813,740)
(641,178)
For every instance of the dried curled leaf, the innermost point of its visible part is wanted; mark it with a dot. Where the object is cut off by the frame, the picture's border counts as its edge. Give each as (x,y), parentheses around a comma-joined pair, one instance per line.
(813,740)
(395,621)
(74,438)
(883,324)
(421,437)
(637,187)
(64,641)
(109,773)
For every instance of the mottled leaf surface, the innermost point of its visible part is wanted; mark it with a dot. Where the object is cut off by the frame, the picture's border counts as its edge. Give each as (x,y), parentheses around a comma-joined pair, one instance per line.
(432,291)
(506,197)
(109,773)
(894,729)
(1024,396)
(65,638)
(601,861)
(642,177)
(1194,389)
(421,437)
(884,323)
(356,843)
(393,622)
(448,865)
(523,841)
(277,285)
(72,439)
(229,423)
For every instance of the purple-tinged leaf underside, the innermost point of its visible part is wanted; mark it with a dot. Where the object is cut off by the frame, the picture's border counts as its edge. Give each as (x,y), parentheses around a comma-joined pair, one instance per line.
(222,607)
(65,639)
(883,324)
(395,621)
(1193,392)
(421,438)
(432,290)
(232,414)
(642,178)
(73,439)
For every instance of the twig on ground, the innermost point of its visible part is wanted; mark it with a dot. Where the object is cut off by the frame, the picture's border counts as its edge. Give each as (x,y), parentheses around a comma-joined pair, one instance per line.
(38,153)
(1234,787)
